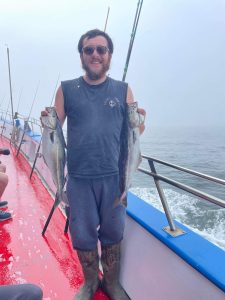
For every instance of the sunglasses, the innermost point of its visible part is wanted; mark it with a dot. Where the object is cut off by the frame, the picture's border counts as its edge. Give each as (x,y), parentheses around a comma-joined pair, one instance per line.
(89,50)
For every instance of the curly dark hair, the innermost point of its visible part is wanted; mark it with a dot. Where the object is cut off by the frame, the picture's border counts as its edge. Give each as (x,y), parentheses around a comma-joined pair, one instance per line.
(93,33)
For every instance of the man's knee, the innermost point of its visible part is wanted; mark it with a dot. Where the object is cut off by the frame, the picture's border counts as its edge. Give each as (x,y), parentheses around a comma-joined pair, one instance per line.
(2,168)
(4,179)
(83,241)
(113,234)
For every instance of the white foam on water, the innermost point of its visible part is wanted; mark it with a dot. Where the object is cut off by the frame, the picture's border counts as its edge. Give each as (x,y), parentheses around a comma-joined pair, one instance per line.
(205,220)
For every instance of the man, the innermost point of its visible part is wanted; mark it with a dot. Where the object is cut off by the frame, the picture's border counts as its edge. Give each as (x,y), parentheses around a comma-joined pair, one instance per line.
(16,128)
(95,106)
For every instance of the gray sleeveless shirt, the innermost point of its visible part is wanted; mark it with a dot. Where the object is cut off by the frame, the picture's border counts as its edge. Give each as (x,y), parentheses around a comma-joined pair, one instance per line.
(95,115)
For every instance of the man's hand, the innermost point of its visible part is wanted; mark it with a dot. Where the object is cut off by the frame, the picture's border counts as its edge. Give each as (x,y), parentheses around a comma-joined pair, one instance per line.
(44,113)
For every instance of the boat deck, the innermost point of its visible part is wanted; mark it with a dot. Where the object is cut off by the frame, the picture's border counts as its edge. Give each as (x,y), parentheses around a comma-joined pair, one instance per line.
(26,256)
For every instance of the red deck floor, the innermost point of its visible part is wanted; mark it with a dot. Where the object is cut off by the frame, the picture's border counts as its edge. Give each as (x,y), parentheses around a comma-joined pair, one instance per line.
(26,256)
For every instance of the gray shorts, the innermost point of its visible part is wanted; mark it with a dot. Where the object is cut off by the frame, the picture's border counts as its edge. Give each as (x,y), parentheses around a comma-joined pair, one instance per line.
(95,212)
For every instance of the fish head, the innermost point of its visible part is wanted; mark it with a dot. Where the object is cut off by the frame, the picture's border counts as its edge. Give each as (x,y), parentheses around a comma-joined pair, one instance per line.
(133,115)
(49,121)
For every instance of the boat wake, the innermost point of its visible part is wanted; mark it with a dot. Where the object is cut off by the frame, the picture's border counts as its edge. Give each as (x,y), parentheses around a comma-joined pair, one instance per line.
(203,218)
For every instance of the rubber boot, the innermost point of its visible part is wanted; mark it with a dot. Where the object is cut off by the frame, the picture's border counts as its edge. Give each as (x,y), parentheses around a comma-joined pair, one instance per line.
(90,264)
(111,268)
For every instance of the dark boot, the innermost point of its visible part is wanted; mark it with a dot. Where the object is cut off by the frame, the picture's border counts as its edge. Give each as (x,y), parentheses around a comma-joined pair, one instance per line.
(90,264)
(111,268)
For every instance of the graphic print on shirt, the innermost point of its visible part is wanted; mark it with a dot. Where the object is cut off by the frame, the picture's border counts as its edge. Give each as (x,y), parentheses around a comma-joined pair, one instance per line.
(112,102)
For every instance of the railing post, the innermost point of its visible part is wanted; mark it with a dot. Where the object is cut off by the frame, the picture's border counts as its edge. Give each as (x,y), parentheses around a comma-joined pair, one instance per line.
(172,229)
(37,154)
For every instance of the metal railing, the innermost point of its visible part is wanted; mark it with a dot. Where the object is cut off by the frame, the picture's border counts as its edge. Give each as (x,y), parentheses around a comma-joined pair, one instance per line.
(172,229)
(31,125)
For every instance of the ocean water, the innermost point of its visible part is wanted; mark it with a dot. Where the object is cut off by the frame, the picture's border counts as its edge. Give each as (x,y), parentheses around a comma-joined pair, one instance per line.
(197,148)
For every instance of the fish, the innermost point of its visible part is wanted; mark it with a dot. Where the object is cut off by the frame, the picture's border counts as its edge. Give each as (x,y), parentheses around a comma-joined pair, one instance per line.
(130,153)
(54,151)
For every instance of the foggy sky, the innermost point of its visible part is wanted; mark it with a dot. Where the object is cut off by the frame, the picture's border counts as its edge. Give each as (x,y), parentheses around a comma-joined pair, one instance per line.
(177,67)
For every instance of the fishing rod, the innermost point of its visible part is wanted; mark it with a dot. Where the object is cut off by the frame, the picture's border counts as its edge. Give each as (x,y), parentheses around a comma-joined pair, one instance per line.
(39,146)
(133,33)
(13,135)
(53,95)
(3,99)
(18,150)
(10,85)
(3,126)
(106,21)
(17,110)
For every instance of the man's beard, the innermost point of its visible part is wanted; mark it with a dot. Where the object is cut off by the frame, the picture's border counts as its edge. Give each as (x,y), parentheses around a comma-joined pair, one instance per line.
(96,75)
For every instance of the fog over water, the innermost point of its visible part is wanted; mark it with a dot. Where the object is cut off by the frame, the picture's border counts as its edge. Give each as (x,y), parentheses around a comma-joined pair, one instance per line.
(177,67)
